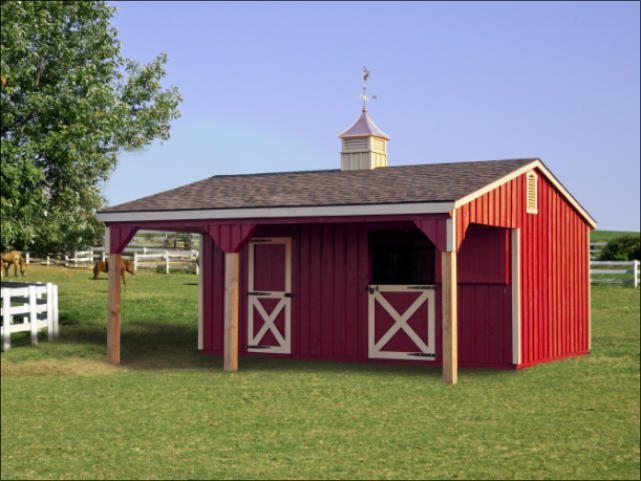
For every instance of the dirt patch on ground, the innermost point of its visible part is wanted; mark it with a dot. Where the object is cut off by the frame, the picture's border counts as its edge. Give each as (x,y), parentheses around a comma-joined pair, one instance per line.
(59,367)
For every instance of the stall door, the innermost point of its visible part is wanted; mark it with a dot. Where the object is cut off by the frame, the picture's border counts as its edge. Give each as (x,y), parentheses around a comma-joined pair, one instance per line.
(269,290)
(401,322)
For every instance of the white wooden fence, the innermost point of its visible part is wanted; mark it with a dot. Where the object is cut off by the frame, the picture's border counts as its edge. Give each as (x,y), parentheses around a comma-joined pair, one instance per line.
(185,259)
(596,248)
(615,272)
(143,257)
(29,307)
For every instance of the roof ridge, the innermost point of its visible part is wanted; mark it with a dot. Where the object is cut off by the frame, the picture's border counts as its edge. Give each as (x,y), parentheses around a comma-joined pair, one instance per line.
(382,169)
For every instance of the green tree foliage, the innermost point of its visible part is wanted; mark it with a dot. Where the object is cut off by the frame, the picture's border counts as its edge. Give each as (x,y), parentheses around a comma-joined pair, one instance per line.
(69,104)
(624,248)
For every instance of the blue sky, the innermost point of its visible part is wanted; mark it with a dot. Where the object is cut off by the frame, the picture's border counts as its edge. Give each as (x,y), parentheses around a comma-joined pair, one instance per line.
(268,86)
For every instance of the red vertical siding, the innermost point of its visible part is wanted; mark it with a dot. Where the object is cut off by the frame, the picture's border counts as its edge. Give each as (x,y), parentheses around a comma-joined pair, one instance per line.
(485,324)
(212,263)
(330,274)
(554,277)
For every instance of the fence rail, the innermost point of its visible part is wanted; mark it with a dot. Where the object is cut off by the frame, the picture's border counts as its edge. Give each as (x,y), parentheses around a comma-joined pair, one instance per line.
(596,248)
(35,305)
(615,272)
(143,257)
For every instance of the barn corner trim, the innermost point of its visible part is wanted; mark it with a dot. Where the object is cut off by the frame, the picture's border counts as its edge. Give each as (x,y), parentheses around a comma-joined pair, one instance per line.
(536,164)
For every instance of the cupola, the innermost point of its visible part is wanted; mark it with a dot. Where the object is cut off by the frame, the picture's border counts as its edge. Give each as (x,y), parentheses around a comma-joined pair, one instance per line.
(364,144)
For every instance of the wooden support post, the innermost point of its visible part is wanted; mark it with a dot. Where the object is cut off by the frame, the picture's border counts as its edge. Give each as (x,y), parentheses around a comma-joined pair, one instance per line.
(113,323)
(232,268)
(450,318)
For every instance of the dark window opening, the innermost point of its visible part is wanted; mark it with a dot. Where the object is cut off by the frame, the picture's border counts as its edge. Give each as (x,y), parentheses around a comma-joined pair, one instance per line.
(401,257)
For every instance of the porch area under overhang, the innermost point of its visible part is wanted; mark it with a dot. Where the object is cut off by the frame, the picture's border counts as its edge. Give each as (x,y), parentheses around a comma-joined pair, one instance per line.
(443,230)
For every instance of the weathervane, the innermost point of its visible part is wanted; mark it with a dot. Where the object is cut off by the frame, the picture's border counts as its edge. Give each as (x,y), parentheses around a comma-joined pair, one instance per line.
(365,97)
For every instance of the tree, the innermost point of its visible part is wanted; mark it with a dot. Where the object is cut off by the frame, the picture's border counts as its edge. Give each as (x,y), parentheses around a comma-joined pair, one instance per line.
(69,104)
(623,248)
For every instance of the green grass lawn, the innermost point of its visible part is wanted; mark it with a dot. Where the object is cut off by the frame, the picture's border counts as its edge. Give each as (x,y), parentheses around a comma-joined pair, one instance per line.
(168,412)
(606,235)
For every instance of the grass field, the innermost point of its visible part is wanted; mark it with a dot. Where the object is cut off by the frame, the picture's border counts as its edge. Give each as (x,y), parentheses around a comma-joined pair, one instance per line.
(606,235)
(169,413)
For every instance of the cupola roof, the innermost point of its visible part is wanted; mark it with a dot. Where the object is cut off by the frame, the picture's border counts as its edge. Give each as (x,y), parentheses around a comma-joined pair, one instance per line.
(364,127)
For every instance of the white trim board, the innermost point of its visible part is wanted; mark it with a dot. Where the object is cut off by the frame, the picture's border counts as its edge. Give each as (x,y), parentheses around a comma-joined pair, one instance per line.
(271,212)
(515,266)
(450,233)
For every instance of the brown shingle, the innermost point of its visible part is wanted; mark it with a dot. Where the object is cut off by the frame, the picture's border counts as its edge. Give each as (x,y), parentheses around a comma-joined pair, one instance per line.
(402,184)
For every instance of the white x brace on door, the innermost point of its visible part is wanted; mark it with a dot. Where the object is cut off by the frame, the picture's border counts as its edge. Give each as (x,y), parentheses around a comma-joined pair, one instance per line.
(401,304)
(269,295)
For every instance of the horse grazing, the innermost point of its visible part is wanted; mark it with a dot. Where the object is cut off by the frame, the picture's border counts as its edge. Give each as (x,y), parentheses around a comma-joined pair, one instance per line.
(103,266)
(15,259)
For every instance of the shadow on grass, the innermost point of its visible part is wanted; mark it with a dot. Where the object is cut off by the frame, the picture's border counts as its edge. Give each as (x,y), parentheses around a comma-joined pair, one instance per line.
(161,346)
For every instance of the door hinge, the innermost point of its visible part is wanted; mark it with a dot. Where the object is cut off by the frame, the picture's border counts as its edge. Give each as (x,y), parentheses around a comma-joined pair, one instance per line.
(259,293)
(421,354)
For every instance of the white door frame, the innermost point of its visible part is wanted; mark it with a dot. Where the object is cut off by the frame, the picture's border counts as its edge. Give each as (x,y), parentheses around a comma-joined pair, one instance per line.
(515,266)
(285,303)
(426,352)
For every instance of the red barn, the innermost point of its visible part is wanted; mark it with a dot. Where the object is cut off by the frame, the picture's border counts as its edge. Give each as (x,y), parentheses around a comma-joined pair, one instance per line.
(482,264)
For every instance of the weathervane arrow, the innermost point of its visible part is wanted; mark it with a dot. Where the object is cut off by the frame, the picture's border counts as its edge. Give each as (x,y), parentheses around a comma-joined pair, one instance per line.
(365,97)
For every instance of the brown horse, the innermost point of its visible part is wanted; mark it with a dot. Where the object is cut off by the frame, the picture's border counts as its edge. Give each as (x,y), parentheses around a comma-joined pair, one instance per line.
(103,266)
(15,259)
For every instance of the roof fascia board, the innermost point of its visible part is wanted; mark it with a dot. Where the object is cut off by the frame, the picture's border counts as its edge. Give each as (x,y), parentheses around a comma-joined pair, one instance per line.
(275,212)
(520,171)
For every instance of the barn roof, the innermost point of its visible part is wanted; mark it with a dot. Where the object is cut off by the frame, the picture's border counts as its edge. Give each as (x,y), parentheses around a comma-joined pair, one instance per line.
(406,189)
(398,184)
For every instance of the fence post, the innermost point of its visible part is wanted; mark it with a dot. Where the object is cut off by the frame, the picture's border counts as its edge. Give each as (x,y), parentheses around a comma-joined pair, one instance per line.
(27,258)
(55,311)
(635,274)
(49,311)
(47,261)
(33,315)
(7,318)
(166,262)
(135,262)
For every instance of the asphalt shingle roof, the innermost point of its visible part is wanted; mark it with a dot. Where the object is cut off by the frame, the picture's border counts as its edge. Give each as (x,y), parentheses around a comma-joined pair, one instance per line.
(399,184)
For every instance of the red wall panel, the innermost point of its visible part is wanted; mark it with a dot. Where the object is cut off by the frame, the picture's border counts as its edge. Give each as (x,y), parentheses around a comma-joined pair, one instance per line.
(485,297)
(330,274)
(554,274)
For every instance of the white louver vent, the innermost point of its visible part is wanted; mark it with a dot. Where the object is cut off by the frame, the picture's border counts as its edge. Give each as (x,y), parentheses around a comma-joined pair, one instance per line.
(532,194)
